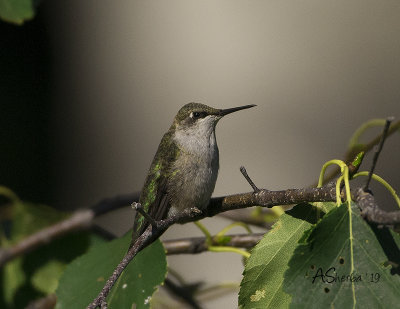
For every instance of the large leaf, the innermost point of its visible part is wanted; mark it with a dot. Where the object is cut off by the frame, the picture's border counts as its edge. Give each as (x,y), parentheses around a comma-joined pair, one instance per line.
(263,276)
(345,264)
(16,11)
(84,278)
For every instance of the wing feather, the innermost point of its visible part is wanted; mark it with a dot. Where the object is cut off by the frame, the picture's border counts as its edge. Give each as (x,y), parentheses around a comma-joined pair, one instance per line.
(154,196)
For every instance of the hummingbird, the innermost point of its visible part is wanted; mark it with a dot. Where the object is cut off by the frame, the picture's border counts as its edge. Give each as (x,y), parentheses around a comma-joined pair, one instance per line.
(185,167)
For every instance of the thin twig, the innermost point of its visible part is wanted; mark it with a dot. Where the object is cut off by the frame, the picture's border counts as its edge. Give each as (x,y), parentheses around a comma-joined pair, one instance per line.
(351,153)
(378,151)
(113,203)
(145,239)
(371,144)
(79,220)
(195,245)
(246,216)
(245,175)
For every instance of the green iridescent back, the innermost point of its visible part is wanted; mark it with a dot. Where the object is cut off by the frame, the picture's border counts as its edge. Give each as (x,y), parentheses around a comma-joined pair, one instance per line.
(154,197)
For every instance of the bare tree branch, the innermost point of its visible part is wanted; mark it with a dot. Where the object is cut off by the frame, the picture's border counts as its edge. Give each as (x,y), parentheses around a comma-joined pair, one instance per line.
(79,220)
(83,219)
(267,198)
(245,215)
(372,213)
(195,245)
(262,197)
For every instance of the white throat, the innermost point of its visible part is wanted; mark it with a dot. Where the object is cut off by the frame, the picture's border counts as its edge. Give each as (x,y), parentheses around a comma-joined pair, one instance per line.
(198,139)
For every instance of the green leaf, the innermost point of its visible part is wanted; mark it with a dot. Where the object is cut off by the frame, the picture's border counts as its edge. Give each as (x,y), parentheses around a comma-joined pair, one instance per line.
(16,11)
(84,278)
(345,264)
(35,274)
(13,279)
(263,276)
(46,277)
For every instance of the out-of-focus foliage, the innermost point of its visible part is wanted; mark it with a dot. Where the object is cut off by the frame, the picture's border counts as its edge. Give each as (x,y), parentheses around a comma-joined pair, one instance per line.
(17,11)
(35,274)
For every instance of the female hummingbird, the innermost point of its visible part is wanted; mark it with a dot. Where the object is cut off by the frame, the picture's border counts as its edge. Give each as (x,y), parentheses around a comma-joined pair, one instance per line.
(185,168)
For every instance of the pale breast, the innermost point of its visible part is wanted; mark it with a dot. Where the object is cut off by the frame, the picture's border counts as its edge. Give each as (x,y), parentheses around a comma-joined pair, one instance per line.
(194,175)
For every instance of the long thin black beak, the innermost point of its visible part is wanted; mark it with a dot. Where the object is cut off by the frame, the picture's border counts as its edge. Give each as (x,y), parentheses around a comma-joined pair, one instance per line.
(223,112)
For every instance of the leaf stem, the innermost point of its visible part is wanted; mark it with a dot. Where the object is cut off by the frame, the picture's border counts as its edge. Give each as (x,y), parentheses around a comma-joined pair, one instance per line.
(209,239)
(354,140)
(345,176)
(229,249)
(232,225)
(338,183)
(205,232)
(340,163)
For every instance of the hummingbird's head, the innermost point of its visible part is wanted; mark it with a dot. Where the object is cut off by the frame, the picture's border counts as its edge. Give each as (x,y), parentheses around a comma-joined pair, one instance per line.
(200,118)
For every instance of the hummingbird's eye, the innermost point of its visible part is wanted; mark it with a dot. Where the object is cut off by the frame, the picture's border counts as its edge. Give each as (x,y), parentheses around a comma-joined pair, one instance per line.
(196,115)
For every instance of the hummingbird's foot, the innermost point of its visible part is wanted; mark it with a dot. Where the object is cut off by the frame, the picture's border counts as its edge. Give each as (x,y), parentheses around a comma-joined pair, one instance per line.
(244,173)
(139,208)
(194,211)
